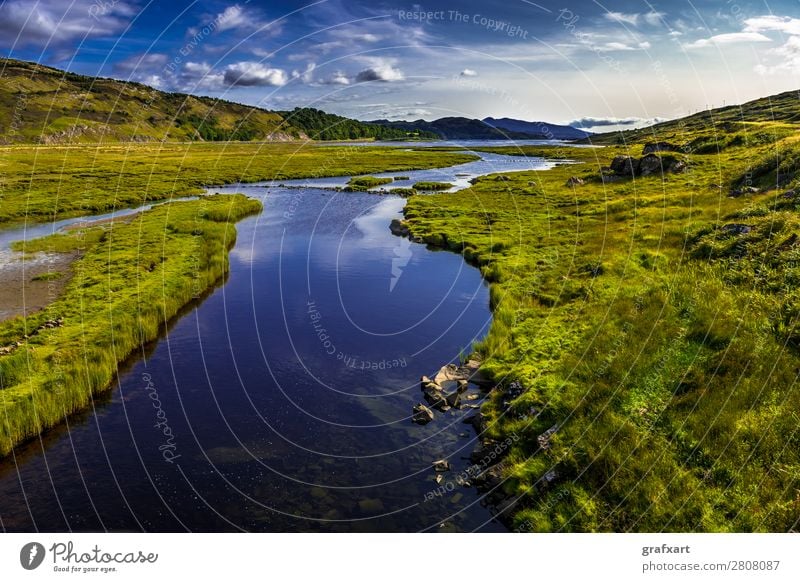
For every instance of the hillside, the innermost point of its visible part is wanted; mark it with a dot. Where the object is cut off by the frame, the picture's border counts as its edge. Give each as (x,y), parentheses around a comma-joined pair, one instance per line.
(327,126)
(537,128)
(39,104)
(489,128)
(779,114)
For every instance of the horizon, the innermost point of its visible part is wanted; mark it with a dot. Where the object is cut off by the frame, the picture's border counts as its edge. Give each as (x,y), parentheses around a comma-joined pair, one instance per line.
(624,65)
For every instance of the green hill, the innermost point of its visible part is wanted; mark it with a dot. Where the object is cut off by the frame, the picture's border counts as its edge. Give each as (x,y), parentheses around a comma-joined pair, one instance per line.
(40,104)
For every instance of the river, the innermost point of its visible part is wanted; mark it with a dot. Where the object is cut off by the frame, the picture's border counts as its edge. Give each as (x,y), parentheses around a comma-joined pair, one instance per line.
(281,401)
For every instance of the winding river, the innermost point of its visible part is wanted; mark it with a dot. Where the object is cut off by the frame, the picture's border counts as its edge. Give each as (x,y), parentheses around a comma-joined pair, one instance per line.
(281,401)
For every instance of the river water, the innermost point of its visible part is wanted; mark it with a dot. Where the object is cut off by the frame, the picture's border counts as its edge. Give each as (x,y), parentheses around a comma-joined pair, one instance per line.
(281,401)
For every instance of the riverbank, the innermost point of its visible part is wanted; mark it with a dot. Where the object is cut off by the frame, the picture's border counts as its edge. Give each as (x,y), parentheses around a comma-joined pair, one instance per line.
(641,344)
(127,283)
(93,179)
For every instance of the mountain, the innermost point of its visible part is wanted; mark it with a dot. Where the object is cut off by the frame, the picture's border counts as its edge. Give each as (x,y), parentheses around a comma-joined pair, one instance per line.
(489,128)
(327,126)
(538,128)
(40,104)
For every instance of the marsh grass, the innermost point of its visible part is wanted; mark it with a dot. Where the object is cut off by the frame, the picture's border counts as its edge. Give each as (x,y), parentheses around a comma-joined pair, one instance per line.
(662,342)
(131,280)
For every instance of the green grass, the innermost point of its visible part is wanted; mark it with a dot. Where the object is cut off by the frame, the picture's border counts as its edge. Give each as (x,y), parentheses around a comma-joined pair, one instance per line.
(132,278)
(664,346)
(432,186)
(46,182)
(364,183)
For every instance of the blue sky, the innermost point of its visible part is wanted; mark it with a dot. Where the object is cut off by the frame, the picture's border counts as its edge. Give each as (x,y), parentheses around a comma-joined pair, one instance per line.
(597,64)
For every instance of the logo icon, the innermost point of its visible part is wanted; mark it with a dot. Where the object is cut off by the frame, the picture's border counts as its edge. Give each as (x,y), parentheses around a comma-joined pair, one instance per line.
(31,555)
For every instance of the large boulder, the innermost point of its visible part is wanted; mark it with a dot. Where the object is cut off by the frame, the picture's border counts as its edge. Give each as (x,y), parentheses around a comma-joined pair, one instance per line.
(650,164)
(625,166)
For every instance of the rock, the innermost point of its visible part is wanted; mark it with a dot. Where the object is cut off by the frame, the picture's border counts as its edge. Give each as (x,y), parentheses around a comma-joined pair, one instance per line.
(544,439)
(453,399)
(436,399)
(626,166)
(441,466)
(660,146)
(736,229)
(574,181)
(426,383)
(421,414)
(473,396)
(677,167)
(439,478)
(743,191)
(463,386)
(448,373)
(399,227)
(650,164)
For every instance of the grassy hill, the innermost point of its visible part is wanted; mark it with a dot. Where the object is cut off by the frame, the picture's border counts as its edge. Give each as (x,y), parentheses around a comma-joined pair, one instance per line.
(39,104)
(645,341)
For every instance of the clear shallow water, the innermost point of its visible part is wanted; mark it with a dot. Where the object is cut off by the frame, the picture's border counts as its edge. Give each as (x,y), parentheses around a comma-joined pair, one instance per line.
(281,401)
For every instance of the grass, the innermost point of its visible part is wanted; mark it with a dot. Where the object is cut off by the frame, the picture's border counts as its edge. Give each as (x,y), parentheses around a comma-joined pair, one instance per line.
(46,182)
(364,183)
(432,186)
(662,342)
(132,278)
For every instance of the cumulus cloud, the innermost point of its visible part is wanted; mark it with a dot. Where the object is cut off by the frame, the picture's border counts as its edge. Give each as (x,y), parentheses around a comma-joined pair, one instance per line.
(253,74)
(379,70)
(788,57)
(784,24)
(337,78)
(469,73)
(727,39)
(56,22)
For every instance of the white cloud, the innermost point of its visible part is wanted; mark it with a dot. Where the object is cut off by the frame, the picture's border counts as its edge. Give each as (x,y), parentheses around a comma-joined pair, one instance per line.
(253,74)
(727,39)
(338,78)
(788,57)
(379,70)
(197,69)
(783,24)
(652,18)
(469,73)
(54,22)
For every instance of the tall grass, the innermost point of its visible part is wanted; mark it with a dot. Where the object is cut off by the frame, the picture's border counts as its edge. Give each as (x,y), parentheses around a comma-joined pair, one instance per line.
(128,284)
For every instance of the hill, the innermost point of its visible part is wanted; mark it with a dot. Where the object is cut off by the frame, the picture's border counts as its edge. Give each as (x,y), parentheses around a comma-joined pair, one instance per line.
(537,128)
(327,126)
(40,104)
(489,128)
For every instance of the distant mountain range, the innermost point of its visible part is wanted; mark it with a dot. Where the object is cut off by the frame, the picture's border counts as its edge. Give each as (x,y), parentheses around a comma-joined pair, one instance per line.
(455,128)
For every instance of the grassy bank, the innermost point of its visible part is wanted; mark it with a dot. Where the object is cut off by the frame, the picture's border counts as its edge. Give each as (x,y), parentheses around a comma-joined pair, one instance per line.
(645,335)
(130,280)
(45,182)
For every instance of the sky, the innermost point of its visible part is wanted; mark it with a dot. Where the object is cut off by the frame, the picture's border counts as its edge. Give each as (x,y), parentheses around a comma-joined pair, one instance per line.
(597,65)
